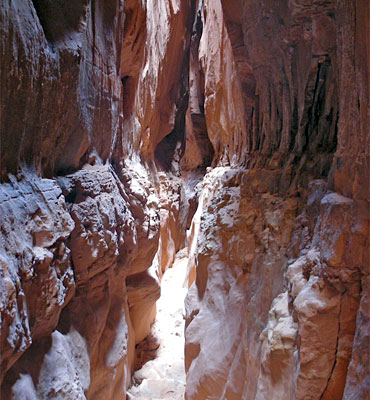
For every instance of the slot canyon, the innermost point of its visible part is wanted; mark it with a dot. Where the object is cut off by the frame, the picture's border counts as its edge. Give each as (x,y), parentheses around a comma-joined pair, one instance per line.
(222,145)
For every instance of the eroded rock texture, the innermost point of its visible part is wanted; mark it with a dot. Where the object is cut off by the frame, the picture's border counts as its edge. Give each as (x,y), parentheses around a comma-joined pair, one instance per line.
(279,246)
(124,123)
(92,210)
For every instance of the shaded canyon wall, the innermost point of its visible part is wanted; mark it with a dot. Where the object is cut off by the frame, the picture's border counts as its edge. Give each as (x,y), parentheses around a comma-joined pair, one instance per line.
(92,208)
(124,123)
(278,305)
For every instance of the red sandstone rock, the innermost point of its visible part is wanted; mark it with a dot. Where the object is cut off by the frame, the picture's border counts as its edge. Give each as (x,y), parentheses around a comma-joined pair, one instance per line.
(290,62)
(35,225)
(87,87)
(94,96)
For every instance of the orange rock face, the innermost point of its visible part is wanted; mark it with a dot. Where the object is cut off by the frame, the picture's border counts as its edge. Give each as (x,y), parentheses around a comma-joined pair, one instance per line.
(132,128)
(93,97)
(279,244)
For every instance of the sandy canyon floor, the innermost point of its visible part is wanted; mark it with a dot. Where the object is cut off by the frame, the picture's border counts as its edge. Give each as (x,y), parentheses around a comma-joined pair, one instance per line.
(164,377)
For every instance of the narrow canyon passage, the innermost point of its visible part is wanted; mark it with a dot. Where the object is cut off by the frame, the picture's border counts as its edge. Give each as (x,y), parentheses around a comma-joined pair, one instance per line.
(164,377)
(130,129)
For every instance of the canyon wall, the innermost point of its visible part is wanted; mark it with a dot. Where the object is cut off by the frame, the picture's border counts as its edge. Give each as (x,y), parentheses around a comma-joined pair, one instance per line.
(278,305)
(92,208)
(125,123)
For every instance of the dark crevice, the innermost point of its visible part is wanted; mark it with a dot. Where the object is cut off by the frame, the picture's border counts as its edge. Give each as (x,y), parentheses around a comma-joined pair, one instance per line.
(202,139)
(198,24)
(71,197)
(198,120)
(315,133)
(333,139)
(64,323)
(60,17)
(128,85)
(65,171)
(25,365)
(169,149)
(295,123)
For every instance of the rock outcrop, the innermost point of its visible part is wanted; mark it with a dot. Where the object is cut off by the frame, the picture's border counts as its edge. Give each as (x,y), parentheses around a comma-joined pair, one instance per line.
(93,104)
(278,247)
(125,123)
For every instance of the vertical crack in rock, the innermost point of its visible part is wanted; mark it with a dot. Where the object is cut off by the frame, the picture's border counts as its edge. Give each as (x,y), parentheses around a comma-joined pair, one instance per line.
(199,151)
(323,396)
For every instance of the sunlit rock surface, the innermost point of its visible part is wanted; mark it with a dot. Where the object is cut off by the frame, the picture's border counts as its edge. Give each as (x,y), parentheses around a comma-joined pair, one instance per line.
(93,103)
(239,129)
